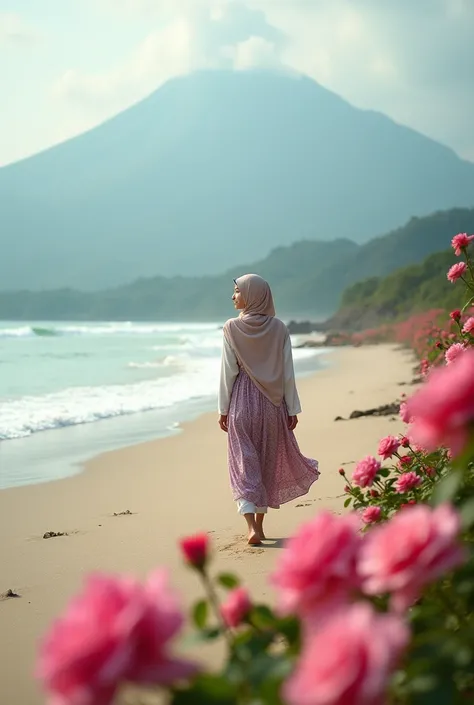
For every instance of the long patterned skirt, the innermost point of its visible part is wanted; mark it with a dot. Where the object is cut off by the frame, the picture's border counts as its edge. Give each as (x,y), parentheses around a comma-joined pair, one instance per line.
(265,463)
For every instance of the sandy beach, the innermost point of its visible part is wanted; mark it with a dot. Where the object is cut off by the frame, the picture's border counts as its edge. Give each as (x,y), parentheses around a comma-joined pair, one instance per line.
(173,487)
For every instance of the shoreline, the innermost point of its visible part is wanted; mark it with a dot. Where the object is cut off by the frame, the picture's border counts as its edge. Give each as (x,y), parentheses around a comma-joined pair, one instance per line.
(58,453)
(176,486)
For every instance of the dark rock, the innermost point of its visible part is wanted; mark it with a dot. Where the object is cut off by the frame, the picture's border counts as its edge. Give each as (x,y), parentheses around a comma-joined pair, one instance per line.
(8,594)
(384,410)
(127,512)
(339,418)
(54,534)
(305,327)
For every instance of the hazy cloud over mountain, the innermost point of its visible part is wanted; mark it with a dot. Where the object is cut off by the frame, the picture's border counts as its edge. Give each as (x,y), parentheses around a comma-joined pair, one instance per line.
(411,60)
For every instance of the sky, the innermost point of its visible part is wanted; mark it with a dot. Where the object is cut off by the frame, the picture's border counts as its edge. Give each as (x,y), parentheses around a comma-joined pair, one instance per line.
(68,65)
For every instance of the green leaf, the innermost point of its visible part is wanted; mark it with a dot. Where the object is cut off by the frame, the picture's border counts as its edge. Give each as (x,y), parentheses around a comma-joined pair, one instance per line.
(348,501)
(385,472)
(467,513)
(207,689)
(262,617)
(446,490)
(228,581)
(200,614)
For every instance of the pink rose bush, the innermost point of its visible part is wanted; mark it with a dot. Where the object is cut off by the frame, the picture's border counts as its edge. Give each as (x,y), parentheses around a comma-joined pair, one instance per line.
(366,471)
(371,514)
(116,631)
(453,352)
(414,548)
(443,408)
(388,447)
(374,606)
(349,660)
(237,606)
(407,481)
(461,242)
(314,574)
(457,271)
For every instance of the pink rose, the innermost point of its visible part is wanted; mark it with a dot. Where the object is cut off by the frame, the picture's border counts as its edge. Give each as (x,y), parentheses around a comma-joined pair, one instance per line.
(461,241)
(195,550)
(417,546)
(370,515)
(317,567)
(350,660)
(468,327)
(453,352)
(404,414)
(236,607)
(407,481)
(365,471)
(405,461)
(117,630)
(455,315)
(388,446)
(443,408)
(456,271)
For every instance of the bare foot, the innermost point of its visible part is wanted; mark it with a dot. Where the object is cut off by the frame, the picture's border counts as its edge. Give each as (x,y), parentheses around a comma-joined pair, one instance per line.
(254,539)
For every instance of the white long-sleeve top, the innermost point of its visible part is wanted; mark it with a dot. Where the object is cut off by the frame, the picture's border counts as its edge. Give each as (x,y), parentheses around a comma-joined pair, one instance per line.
(230,369)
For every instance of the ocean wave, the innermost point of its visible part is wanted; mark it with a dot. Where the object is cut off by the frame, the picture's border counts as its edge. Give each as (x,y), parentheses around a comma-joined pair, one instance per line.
(80,405)
(106,329)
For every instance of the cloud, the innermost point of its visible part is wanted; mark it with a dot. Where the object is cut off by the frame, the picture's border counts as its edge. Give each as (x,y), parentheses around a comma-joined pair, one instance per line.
(411,60)
(14,31)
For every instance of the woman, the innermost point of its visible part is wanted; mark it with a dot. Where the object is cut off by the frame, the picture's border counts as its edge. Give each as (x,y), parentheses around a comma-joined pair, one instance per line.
(258,407)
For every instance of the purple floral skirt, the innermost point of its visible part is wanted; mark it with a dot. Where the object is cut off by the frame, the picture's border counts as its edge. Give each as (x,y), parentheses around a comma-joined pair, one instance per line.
(266,466)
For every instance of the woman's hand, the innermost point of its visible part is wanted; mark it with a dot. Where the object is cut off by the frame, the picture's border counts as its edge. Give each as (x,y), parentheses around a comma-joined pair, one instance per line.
(292,422)
(223,422)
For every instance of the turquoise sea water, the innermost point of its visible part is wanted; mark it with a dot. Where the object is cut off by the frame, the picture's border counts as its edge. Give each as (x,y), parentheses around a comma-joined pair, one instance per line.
(71,390)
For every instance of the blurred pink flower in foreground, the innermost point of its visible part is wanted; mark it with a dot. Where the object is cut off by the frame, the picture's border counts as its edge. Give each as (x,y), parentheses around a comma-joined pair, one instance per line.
(349,660)
(236,607)
(414,548)
(317,568)
(365,471)
(453,352)
(388,446)
(116,630)
(370,515)
(404,414)
(456,271)
(443,408)
(459,241)
(468,327)
(407,481)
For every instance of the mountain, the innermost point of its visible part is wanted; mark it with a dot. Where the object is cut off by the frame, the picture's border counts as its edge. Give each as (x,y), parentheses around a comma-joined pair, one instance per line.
(212,169)
(308,279)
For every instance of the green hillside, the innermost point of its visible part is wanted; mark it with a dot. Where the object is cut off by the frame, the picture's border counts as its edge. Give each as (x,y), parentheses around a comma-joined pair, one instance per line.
(308,279)
(409,290)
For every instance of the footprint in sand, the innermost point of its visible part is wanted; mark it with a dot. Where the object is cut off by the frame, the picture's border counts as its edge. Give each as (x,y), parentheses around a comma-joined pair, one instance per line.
(238,547)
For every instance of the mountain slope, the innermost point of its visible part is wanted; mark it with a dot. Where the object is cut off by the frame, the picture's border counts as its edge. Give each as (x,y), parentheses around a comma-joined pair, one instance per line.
(212,169)
(308,279)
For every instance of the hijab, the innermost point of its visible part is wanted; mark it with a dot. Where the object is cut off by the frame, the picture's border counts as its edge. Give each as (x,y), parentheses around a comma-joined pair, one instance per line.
(258,338)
